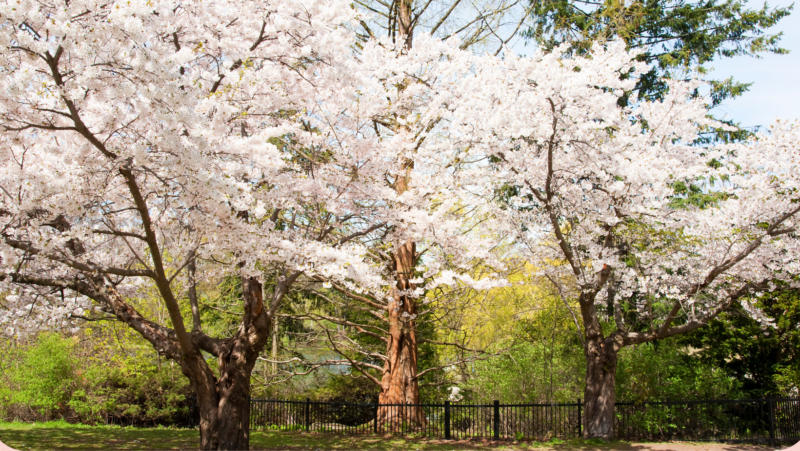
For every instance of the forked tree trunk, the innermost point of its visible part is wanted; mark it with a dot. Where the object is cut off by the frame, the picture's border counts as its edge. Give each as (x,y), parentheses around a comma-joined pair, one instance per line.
(224,401)
(600,393)
(399,383)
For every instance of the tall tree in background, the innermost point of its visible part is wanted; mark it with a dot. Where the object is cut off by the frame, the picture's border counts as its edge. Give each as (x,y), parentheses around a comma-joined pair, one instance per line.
(676,37)
(484,26)
(399,20)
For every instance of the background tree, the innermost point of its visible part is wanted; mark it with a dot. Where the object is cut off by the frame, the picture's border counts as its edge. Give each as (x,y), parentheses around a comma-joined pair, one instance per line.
(484,26)
(675,37)
(759,352)
(406,121)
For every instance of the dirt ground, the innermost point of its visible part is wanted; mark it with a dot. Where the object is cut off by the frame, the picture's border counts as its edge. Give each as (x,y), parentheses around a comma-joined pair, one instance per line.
(676,447)
(488,445)
(690,447)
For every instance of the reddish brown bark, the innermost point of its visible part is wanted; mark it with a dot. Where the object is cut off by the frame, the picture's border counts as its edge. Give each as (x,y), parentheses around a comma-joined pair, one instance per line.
(405,23)
(399,383)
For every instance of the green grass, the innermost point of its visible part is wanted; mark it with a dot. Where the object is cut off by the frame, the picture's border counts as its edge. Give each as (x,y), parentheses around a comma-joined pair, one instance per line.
(60,435)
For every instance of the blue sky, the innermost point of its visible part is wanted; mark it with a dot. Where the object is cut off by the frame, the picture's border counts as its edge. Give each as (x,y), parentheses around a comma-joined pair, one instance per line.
(776,78)
(776,85)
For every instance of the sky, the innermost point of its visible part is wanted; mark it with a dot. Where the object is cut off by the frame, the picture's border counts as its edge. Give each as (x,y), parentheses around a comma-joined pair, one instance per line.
(776,86)
(775,92)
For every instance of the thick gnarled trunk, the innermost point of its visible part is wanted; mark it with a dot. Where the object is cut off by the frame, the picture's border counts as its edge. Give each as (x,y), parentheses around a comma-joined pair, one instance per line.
(399,384)
(225,413)
(601,370)
(224,402)
(600,392)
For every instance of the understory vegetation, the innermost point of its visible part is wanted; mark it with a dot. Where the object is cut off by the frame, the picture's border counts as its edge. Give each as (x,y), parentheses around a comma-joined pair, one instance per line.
(106,374)
(114,381)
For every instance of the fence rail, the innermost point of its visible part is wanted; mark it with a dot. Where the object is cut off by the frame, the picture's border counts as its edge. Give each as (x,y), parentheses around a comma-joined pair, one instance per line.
(774,421)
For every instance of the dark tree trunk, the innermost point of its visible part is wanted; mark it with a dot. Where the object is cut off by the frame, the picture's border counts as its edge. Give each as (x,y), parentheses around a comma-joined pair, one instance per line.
(601,371)
(600,394)
(224,419)
(399,383)
(224,401)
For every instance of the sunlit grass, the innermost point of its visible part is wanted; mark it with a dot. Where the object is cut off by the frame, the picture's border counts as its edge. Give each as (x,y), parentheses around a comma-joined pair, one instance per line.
(60,435)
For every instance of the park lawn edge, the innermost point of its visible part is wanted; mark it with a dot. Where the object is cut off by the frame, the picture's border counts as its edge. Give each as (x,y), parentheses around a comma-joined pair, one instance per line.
(51,434)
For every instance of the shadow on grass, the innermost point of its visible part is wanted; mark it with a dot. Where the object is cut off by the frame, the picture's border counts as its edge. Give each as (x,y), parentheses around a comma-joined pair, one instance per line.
(295,441)
(42,437)
(64,436)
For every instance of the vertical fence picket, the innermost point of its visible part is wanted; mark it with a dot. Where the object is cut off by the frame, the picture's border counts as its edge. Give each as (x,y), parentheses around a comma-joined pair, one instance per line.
(447,420)
(307,413)
(771,408)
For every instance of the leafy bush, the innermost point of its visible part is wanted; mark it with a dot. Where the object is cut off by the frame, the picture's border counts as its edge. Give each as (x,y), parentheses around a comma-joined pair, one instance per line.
(667,370)
(529,373)
(52,379)
(541,372)
(41,376)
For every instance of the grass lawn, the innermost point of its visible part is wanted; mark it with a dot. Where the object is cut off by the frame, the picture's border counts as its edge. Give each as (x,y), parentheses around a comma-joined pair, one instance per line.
(64,436)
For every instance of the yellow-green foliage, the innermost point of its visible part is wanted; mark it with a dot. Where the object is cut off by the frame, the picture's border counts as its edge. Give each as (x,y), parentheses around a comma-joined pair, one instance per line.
(489,319)
(103,374)
(39,376)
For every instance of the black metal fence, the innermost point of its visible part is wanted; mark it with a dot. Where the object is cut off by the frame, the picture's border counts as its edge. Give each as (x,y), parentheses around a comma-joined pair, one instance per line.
(773,421)
(770,421)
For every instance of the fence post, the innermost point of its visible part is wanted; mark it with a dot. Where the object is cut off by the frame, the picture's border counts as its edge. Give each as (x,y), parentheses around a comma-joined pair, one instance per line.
(447,420)
(669,418)
(308,412)
(496,419)
(580,421)
(771,402)
(375,417)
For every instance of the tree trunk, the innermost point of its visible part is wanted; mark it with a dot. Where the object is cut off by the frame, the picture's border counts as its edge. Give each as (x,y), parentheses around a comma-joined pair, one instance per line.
(275,339)
(399,383)
(224,424)
(224,401)
(600,394)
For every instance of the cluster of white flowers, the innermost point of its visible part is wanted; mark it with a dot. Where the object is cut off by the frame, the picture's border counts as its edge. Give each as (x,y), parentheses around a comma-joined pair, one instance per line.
(26,310)
(204,110)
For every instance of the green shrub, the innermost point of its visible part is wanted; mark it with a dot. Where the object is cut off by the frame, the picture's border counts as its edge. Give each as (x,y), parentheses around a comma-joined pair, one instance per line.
(657,371)
(44,379)
(50,378)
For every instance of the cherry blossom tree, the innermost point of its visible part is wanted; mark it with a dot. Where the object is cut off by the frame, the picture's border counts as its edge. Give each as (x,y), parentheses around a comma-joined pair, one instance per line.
(412,100)
(403,104)
(396,25)
(154,145)
(596,195)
